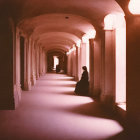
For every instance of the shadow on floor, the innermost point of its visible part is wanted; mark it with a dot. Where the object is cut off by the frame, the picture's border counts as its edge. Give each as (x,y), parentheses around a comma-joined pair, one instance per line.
(47,85)
(120,136)
(66,79)
(89,109)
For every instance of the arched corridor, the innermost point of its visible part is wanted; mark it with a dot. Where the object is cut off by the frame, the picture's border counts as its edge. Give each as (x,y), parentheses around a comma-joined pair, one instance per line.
(51,111)
(44,42)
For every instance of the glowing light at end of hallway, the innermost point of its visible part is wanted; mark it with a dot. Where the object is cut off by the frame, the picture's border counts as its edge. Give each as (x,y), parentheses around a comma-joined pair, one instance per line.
(134,7)
(56,61)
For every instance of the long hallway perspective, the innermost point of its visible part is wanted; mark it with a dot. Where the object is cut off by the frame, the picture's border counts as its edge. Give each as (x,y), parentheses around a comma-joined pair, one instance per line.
(49,47)
(51,111)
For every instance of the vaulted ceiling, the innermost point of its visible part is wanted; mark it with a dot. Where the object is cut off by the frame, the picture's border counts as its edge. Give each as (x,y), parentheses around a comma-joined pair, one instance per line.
(60,23)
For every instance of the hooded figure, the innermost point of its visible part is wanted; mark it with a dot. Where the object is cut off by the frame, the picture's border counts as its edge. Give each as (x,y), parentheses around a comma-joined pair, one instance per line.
(82,87)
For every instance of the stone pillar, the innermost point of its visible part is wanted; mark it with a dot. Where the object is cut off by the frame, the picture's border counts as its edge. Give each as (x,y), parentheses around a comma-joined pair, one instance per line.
(16,74)
(77,63)
(33,75)
(37,61)
(40,61)
(44,61)
(83,54)
(97,67)
(7,36)
(74,64)
(109,92)
(71,66)
(91,66)
(27,84)
(68,64)
(133,68)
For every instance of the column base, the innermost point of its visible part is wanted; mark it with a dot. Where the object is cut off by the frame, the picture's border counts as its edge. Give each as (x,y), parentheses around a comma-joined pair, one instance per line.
(37,76)
(17,94)
(27,85)
(108,101)
(33,80)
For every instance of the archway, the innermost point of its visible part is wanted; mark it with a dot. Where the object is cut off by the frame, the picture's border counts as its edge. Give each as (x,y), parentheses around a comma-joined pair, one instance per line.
(62,61)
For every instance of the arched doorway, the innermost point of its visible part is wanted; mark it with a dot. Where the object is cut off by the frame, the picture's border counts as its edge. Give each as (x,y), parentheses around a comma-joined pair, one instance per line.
(61,57)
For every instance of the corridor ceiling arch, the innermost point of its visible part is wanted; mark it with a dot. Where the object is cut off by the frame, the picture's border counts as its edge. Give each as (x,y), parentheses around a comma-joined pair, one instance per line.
(46,35)
(40,19)
(51,37)
(69,28)
(56,46)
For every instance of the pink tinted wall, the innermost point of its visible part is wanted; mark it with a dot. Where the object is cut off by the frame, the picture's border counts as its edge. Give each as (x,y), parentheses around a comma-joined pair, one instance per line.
(97,67)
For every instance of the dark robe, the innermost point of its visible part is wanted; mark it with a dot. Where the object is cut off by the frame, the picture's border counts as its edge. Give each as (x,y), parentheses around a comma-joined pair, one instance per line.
(57,68)
(82,87)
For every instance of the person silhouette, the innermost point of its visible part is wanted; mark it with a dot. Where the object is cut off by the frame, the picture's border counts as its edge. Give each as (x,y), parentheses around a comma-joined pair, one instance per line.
(82,86)
(57,68)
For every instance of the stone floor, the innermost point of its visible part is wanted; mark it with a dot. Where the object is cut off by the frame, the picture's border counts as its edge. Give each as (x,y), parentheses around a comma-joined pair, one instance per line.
(51,111)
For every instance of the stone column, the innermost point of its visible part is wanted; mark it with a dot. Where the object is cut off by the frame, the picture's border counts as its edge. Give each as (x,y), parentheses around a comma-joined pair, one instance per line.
(7,37)
(17,85)
(33,76)
(109,92)
(70,63)
(43,62)
(77,63)
(133,68)
(37,61)
(74,64)
(27,64)
(91,67)
(40,61)
(83,54)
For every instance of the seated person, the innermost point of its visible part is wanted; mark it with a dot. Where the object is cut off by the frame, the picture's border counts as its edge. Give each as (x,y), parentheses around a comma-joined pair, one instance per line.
(82,87)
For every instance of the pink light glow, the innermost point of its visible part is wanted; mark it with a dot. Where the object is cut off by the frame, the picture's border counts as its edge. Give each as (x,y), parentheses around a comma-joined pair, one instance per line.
(121,63)
(123,106)
(56,61)
(47,113)
(134,7)
(78,43)
(109,22)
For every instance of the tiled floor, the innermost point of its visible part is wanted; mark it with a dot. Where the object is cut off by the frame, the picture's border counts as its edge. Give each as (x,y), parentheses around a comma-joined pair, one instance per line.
(51,111)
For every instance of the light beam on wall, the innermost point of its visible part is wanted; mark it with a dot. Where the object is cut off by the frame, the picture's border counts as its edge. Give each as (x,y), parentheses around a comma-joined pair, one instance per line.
(109,22)
(117,23)
(113,21)
(71,50)
(134,7)
(78,43)
(89,35)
